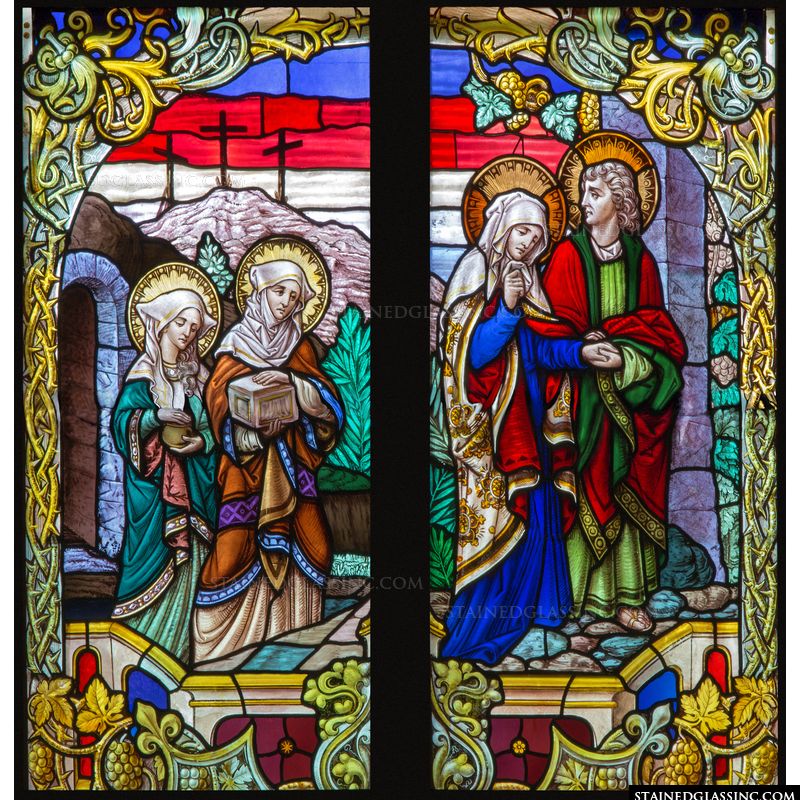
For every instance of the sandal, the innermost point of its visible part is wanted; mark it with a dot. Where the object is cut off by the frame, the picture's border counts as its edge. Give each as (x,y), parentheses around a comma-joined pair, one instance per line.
(634,619)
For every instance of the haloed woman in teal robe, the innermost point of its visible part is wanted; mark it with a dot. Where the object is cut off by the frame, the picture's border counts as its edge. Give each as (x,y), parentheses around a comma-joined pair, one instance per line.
(170,489)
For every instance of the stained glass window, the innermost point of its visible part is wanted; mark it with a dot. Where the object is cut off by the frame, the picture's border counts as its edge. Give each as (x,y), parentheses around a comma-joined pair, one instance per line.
(196,375)
(603,531)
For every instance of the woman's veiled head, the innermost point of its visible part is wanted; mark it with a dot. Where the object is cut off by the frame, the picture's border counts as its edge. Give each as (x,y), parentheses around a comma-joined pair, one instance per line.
(178,318)
(284,286)
(515,226)
(180,315)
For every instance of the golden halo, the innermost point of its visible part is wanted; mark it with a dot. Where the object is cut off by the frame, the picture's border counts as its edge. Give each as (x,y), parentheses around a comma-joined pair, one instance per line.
(299,251)
(505,174)
(166,278)
(604,146)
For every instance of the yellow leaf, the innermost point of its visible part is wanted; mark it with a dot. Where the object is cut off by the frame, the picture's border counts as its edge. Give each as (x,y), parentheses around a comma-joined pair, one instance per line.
(115,707)
(90,722)
(743,710)
(60,687)
(97,697)
(702,710)
(41,709)
(708,696)
(715,721)
(62,711)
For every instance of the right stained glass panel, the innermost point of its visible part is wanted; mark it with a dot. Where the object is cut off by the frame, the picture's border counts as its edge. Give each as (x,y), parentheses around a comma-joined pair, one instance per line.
(603,409)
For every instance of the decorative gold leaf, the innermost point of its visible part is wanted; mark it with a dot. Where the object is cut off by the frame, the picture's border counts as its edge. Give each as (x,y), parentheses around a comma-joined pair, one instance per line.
(756,699)
(101,710)
(702,709)
(41,709)
(50,701)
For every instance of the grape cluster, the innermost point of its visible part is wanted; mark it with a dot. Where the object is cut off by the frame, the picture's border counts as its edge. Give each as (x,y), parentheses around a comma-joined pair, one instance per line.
(510,83)
(611,778)
(589,112)
(194,778)
(763,763)
(684,765)
(40,764)
(123,766)
(517,121)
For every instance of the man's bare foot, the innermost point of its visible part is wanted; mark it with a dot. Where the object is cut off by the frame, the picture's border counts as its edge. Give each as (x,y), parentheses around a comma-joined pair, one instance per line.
(634,619)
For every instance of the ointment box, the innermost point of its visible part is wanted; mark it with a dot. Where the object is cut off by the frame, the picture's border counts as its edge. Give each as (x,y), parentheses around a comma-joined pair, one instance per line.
(255,405)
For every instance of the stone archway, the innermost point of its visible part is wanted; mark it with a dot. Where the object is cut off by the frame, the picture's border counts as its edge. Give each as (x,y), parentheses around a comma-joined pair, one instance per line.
(113,356)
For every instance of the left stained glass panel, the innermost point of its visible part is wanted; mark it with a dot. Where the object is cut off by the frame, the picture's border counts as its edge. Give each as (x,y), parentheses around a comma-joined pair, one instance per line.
(195,316)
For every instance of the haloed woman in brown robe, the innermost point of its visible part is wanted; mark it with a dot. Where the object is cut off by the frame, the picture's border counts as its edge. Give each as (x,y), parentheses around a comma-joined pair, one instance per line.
(267,571)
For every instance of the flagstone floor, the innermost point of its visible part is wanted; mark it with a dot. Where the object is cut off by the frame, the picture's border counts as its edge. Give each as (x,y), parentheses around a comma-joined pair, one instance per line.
(589,644)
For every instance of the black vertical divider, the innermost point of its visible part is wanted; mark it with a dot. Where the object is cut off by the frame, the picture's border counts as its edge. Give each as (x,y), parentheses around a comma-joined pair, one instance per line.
(401,720)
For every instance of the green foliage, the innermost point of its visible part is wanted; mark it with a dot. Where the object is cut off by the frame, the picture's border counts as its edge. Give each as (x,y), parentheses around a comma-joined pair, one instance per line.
(727,490)
(560,116)
(491,104)
(728,396)
(348,364)
(213,260)
(439,434)
(729,536)
(726,422)
(726,458)
(725,338)
(337,479)
(442,558)
(444,508)
(726,290)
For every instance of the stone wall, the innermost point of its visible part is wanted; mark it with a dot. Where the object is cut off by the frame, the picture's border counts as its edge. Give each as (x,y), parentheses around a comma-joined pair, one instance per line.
(114,355)
(676,239)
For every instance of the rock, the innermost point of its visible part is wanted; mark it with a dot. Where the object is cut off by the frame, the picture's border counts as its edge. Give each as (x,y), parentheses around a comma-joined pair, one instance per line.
(712,598)
(688,565)
(662,627)
(539,643)
(665,604)
(608,661)
(688,614)
(731,611)
(571,628)
(509,664)
(440,604)
(583,644)
(624,646)
(586,619)
(604,628)
(566,662)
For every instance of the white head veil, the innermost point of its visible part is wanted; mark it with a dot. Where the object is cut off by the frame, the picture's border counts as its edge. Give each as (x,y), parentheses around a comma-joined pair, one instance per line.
(486,265)
(258,338)
(156,315)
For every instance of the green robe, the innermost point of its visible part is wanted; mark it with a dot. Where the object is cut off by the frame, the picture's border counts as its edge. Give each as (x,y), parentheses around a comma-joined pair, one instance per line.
(629,571)
(155,595)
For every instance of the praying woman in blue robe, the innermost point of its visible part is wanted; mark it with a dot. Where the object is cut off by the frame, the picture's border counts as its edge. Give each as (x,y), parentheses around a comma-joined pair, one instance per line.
(506,381)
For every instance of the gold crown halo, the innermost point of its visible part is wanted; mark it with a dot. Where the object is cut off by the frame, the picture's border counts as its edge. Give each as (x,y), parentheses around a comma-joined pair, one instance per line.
(609,146)
(507,174)
(288,248)
(166,278)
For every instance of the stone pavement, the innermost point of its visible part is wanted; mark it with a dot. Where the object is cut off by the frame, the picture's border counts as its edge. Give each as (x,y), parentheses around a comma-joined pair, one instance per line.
(592,645)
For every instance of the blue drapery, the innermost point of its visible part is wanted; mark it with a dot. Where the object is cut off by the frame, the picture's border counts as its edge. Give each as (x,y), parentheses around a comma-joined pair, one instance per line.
(530,586)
